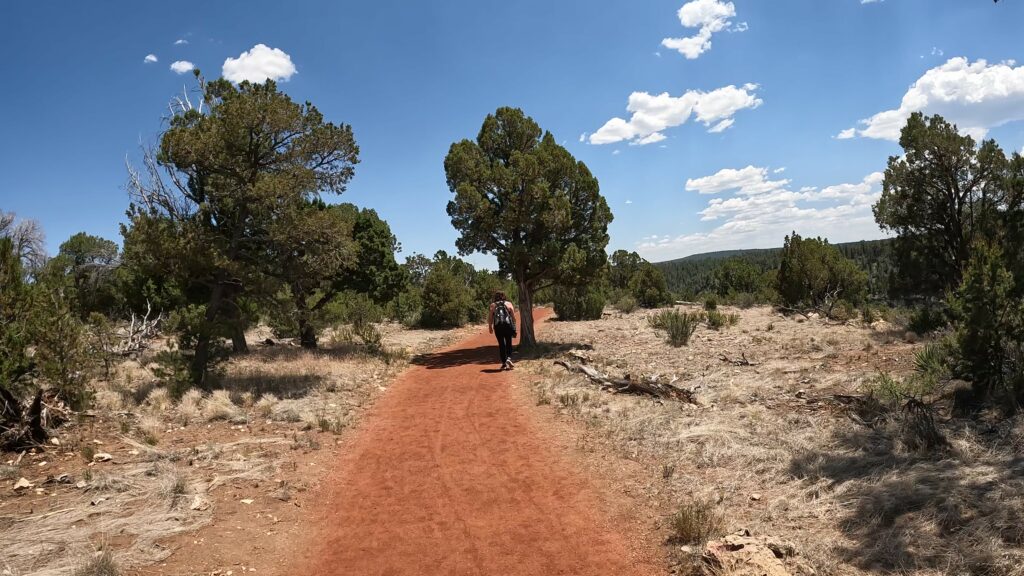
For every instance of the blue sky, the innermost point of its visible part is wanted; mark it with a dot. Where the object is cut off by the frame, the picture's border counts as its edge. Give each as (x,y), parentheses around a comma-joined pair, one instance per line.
(759,131)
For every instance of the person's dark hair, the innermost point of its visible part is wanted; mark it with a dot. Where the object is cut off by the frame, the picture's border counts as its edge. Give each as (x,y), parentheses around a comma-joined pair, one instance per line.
(499,296)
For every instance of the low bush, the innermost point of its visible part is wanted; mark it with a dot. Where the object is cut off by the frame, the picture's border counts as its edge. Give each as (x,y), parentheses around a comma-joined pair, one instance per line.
(626,304)
(696,522)
(679,326)
(717,320)
(578,303)
(711,302)
(925,319)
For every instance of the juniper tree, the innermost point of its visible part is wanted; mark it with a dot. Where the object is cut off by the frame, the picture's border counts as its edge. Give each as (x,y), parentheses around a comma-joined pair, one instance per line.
(522,197)
(220,180)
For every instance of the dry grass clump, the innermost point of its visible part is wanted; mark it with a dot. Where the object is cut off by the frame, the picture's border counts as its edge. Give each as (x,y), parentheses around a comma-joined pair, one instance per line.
(265,405)
(101,564)
(8,472)
(108,401)
(718,319)
(696,522)
(218,406)
(150,427)
(158,400)
(190,407)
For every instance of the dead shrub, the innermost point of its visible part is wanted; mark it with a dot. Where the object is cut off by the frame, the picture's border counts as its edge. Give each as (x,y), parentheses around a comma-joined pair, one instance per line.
(190,406)
(102,564)
(218,406)
(158,400)
(265,405)
(696,522)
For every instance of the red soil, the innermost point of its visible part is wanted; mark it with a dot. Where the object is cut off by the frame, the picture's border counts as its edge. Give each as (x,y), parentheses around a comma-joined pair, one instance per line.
(449,475)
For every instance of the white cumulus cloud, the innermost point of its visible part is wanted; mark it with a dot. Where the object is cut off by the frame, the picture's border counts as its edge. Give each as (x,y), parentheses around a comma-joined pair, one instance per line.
(182,66)
(259,64)
(710,16)
(975,96)
(653,113)
(149,59)
(180,41)
(751,211)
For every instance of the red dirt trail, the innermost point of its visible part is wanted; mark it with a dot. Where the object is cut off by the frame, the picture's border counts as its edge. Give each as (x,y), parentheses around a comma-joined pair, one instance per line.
(448,475)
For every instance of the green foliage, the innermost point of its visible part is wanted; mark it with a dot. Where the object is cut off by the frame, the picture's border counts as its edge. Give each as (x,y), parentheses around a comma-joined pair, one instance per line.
(521,196)
(626,304)
(629,273)
(58,335)
(718,320)
(815,275)
(91,262)
(937,208)
(580,303)
(990,328)
(710,303)
(678,326)
(15,305)
(926,318)
(240,187)
(703,273)
(446,299)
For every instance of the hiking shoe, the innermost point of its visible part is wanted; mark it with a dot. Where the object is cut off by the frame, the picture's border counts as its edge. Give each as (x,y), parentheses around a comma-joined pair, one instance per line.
(509,364)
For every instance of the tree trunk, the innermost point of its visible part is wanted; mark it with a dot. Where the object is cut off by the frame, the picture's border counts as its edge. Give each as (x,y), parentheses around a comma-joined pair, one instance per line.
(204,340)
(526,335)
(238,342)
(307,334)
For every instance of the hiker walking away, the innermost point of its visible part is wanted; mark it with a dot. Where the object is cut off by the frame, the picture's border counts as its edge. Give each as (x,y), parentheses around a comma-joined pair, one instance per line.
(502,323)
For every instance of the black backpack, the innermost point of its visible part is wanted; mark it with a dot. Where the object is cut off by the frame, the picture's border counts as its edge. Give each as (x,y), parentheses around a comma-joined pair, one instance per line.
(502,317)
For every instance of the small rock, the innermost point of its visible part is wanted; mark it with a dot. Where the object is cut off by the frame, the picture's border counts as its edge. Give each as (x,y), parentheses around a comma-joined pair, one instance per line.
(23,484)
(246,500)
(199,503)
(801,393)
(55,441)
(755,497)
(81,484)
(98,501)
(102,457)
(740,554)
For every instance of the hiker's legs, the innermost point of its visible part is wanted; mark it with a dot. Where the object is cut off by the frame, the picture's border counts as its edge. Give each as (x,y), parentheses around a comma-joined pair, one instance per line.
(504,344)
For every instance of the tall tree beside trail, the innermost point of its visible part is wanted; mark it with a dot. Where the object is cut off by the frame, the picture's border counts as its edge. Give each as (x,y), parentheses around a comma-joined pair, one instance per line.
(940,198)
(523,198)
(321,251)
(220,181)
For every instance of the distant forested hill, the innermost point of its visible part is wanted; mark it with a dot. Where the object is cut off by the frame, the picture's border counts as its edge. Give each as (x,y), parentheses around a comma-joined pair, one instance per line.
(694,274)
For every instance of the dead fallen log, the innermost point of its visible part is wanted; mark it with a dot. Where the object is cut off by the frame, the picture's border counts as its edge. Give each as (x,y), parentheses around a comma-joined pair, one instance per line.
(21,427)
(741,361)
(646,386)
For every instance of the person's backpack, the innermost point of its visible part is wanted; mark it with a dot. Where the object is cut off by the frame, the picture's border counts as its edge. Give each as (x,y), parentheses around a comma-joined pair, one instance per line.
(502,317)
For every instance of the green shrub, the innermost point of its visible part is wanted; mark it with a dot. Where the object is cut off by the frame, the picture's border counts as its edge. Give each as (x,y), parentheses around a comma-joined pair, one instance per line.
(843,311)
(869,314)
(446,299)
(718,320)
(578,304)
(626,304)
(679,326)
(925,319)
(744,300)
(711,302)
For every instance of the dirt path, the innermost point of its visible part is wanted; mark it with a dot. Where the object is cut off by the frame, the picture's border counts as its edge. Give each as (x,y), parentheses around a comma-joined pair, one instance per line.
(448,475)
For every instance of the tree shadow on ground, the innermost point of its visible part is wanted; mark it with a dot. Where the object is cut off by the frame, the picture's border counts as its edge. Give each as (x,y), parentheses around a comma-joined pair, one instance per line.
(957,511)
(284,386)
(479,356)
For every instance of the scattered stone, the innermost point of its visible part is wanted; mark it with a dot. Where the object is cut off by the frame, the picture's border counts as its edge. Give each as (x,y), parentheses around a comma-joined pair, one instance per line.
(755,497)
(102,457)
(801,393)
(199,503)
(23,484)
(55,441)
(740,554)
(81,484)
(246,500)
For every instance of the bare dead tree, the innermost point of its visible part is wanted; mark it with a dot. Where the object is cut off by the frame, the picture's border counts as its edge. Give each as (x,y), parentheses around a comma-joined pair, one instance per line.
(28,239)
